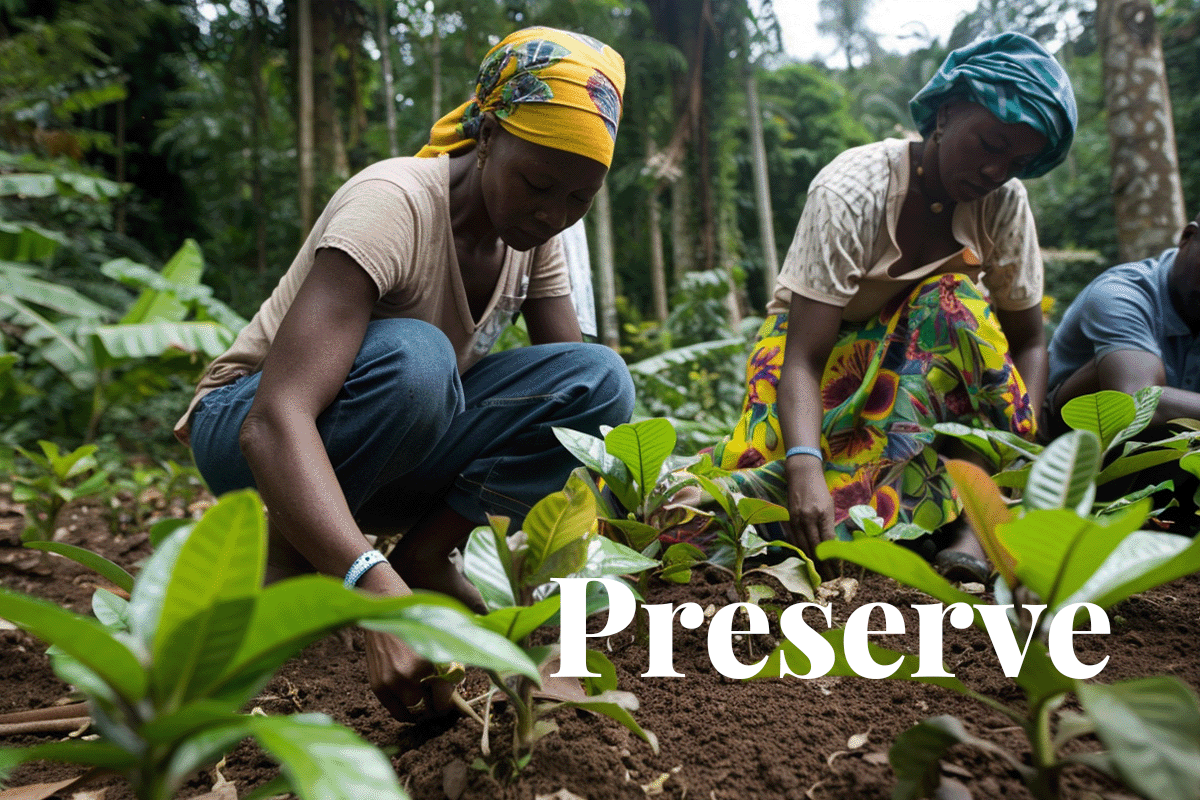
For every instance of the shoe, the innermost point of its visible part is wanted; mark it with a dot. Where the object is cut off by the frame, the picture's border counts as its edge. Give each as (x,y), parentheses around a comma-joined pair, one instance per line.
(959,567)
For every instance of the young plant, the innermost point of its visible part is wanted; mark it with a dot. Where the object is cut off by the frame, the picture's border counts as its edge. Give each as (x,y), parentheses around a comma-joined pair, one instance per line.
(166,671)
(514,574)
(1050,556)
(57,479)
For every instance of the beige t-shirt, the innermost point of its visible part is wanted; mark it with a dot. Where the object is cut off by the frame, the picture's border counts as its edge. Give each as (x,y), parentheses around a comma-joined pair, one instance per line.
(846,239)
(393,218)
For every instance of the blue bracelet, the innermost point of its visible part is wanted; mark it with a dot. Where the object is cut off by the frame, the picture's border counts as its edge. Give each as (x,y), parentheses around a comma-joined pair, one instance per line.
(801,450)
(360,567)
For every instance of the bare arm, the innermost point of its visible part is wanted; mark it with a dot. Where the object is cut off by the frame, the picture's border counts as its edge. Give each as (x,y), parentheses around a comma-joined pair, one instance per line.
(1132,370)
(551,319)
(812,332)
(1026,336)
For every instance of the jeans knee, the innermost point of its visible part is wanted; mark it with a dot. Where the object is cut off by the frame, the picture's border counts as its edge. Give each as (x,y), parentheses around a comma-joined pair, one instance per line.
(611,385)
(413,363)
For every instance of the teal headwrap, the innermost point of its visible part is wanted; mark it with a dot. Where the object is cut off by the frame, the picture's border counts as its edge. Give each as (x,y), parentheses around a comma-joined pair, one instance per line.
(1015,78)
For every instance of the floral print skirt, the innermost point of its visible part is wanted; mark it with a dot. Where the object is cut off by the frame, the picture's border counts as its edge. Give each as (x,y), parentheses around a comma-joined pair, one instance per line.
(935,355)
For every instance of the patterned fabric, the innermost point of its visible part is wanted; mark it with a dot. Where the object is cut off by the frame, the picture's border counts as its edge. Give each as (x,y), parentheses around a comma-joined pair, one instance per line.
(549,87)
(1015,78)
(935,355)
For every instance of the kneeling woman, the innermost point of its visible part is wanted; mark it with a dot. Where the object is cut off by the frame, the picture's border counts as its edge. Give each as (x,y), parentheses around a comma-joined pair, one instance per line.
(877,329)
(363,389)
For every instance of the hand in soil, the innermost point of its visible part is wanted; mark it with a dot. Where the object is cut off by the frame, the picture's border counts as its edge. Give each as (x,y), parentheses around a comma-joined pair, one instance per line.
(396,672)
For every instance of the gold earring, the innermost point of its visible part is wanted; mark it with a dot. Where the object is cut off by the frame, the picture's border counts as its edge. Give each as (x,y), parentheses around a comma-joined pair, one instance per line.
(480,157)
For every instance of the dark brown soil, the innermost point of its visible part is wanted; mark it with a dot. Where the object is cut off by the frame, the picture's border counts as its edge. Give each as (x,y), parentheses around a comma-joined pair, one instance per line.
(793,739)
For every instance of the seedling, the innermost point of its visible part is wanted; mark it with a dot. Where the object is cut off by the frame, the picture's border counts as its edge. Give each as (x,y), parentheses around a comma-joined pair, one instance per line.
(1050,553)
(511,572)
(166,671)
(58,478)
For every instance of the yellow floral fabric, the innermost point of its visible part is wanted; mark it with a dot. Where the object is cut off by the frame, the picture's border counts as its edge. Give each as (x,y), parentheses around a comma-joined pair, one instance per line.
(935,355)
(549,87)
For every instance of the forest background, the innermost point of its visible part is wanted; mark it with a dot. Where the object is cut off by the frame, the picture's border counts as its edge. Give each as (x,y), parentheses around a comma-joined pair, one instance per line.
(162,160)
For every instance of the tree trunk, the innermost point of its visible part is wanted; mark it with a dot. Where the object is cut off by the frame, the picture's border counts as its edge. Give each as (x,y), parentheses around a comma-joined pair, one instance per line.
(259,119)
(658,267)
(435,73)
(329,148)
(1147,194)
(610,333)
(389,85)
(762,190)
(304,119)
(683,255)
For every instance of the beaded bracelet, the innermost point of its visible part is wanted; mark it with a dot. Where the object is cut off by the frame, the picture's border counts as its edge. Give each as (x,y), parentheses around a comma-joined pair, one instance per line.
(801,450)
(360,567)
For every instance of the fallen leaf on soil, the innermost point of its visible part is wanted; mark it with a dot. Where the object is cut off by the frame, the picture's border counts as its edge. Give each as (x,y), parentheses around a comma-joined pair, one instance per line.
(42,791)
(877,757)
(955,769)
(847,588)
(561,794)
(656,786)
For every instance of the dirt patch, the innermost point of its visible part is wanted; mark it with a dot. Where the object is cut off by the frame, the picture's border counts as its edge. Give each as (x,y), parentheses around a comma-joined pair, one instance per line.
(719,738)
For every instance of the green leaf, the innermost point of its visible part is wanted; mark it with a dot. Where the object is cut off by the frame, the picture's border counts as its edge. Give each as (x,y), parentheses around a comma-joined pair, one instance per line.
(151,340)
(894,561)
(638,534)
(221,560)
(755,511)
(1146,403)
(643,447)
(599,663)
(184,268)
(150,587)
(484,564)
(796,574)
(80,637)
(607,557)
(1106,414)
(516,622)
(617,705)
(1151,727)
(160,530)
(1142,560)
(93,561)
(104,755)
(915,754)
(1039,678)
(592,453)
(1058,550)
(1136,462)
(325,761)
(112,611)
(555,528)
(1063,475)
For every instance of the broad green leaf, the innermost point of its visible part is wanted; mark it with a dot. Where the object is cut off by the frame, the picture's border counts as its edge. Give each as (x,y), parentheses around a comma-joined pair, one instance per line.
(93,754)
(556,525)
(189,720)
(165,527)
(193,654)
(1145,404)
(516,622)
(1151,727)
(720,494)
(638,534)
(204,745)
(1039,678)
(607,557)
(755,511)
(598,662)
(986,510)
(485,568)
(1141,561)
(796,574)
(184,268)
(1106,414)
(975,438)
(1136,462)
(325,761)
(222,558)
(53,296)
(93,561)
(916,753)
(592,453)
(617,705)
(1063,475)
(112,611)
(150,587)
(150,340)
(1058,550)
(296,612)
(900,563)
(643,447)
(80,637)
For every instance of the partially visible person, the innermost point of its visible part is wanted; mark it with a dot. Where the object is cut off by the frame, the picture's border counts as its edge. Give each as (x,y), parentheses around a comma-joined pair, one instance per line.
(1135,325)
(363,390)
(878,330)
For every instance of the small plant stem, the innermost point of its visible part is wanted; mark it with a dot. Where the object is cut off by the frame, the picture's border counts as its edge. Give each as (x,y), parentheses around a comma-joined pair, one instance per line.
(523,737)
(1043,782)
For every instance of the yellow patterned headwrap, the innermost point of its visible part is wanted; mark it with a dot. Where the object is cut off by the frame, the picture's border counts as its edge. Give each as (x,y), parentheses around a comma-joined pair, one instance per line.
(549,87)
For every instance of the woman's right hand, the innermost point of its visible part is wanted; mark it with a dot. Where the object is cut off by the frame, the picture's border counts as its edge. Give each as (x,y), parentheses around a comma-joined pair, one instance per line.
(396,676)
(810,508)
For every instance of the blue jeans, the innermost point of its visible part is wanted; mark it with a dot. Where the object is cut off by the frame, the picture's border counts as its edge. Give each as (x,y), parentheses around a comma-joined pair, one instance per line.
(406,429)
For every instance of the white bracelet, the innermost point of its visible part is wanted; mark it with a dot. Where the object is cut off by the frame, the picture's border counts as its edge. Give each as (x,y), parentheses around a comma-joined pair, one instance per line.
(360,567)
